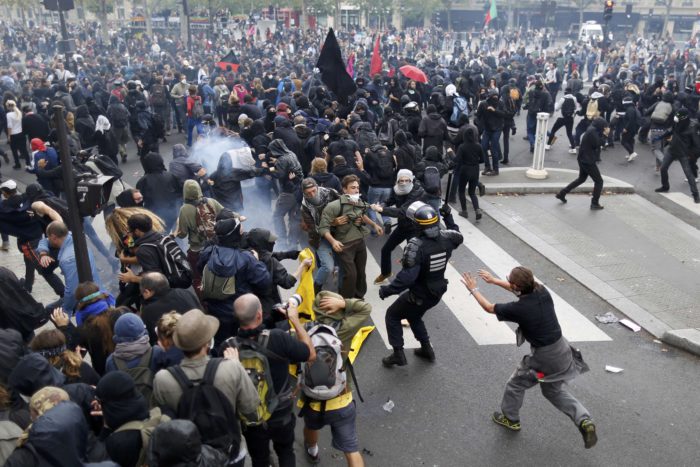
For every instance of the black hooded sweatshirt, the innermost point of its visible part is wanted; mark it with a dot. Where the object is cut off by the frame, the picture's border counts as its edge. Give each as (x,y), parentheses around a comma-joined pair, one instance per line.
(160,189)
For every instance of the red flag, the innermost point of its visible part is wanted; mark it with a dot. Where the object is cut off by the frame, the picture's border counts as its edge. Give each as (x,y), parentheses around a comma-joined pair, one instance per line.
(350,67)
(376,64)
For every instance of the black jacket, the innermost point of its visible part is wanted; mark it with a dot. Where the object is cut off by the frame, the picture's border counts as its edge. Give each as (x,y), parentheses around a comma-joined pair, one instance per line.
(589,151)
(379,164)
(491,120)
(160,189)
(433,130)
(180,300)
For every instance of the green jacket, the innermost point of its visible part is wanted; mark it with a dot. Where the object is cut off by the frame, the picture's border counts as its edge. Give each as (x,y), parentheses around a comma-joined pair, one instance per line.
(187,221)
(349,231)
(347,321)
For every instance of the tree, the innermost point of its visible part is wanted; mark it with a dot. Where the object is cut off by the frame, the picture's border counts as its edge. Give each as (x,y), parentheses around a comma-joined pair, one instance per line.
(416,9)
(668,4)
(101,8)
(582,5)
(447,5)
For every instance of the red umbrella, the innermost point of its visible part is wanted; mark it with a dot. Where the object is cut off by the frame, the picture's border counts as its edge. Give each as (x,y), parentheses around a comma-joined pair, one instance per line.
(414,73)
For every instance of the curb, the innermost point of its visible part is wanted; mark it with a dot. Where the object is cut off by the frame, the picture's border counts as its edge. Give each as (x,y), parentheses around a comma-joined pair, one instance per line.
(686,339)
(531,186)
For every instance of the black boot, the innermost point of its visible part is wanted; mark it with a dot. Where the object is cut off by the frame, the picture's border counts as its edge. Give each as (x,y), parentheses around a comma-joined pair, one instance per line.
(397,358)
(425,352)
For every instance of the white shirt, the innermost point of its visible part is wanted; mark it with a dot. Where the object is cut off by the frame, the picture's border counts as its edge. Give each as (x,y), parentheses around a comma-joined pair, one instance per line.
(14,124)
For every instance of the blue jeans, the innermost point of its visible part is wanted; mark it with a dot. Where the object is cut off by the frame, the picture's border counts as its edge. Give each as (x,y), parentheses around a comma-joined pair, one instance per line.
(191,124)
(531,128)
(490,139)
(326,263)
(96,241)
(378,195)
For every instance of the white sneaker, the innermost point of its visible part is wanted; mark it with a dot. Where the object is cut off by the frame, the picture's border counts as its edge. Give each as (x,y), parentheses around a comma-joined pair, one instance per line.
(547,147)
(685,180)
(573,151)
(632,157)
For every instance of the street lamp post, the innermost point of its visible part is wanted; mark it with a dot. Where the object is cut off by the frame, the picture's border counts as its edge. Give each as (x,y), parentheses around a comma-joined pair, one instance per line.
(75,222)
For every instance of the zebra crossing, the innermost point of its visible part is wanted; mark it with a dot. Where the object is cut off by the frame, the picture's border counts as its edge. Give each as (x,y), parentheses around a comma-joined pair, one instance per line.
(683,200)
(482,327)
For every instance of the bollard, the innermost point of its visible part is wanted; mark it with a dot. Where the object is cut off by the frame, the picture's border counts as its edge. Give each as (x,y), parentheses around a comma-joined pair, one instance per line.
(537,171)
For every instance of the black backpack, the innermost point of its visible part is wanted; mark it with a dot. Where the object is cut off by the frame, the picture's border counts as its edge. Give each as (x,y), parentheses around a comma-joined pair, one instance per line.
(208,408)
(158,96)
(107,166)
(175,265)
(120,116)
(431,180)
(568,107)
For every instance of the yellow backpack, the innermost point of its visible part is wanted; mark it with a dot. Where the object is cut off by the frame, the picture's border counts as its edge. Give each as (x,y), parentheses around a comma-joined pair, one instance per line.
(255,358)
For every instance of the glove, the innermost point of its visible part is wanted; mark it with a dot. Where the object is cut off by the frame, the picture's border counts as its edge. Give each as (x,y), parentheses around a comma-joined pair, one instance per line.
(383,292)
(513,131)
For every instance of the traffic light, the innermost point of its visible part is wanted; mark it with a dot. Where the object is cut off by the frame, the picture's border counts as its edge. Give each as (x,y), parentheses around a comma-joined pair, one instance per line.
(608,11)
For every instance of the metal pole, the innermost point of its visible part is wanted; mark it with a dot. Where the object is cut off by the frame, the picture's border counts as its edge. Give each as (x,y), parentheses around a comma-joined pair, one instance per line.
(537,171)
(75,222)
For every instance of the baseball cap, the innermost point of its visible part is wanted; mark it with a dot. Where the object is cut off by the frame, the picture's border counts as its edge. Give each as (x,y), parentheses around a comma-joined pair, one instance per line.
(8,185)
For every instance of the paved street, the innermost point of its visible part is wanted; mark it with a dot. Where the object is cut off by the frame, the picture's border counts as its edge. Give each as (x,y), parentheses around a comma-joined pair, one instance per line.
(640,254)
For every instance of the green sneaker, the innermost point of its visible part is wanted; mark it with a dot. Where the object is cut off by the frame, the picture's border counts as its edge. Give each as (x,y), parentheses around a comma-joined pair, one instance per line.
(587,429)
(502,420)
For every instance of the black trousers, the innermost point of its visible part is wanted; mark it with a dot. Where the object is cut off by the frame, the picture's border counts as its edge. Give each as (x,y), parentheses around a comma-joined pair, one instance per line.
(411,308)
(31,264)
(627,141)
(469,175)
(584,171)
(687,170)
(566,122)
(18,145)
(282,436)
(397,236)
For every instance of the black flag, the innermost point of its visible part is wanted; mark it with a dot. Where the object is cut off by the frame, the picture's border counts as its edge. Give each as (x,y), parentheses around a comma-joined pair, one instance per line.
(333,73)
(230,60)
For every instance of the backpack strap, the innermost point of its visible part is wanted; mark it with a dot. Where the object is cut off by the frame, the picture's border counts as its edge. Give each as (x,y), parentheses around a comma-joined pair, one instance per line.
(145,358)
(210,372)
(351,370)
(180,377)
(132,426)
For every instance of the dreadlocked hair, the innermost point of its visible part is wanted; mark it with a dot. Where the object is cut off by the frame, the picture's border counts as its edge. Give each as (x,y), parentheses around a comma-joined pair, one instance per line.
(117,228)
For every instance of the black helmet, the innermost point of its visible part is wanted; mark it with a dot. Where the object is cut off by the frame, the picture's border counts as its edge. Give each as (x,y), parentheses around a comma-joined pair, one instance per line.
(682,114)
(422,214)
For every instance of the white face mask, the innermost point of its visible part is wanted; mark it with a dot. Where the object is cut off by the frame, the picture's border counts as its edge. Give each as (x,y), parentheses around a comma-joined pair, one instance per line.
(354,198)
(675,119)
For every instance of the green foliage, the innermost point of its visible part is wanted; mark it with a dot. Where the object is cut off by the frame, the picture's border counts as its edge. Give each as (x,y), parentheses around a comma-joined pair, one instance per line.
(95,6)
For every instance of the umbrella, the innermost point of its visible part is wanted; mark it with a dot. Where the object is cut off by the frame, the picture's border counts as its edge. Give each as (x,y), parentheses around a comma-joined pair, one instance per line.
(414,73)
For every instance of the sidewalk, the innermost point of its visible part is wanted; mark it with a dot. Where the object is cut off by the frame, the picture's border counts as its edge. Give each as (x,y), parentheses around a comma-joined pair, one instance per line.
(639,258)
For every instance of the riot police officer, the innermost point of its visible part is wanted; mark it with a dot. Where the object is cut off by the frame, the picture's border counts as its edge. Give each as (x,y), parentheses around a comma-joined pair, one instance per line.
(421,282)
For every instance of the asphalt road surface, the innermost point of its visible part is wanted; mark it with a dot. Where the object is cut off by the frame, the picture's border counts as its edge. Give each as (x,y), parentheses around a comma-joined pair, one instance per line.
(646,415)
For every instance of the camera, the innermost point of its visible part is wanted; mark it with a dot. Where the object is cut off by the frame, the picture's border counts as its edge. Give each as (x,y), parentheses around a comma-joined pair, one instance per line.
(282,307)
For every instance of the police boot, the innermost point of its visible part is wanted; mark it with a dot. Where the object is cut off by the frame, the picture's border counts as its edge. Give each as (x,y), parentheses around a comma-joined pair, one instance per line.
(397,358)
(425,352)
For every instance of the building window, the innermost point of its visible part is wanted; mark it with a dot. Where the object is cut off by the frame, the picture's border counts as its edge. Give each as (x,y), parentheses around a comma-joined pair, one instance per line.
(81,13)
(120,13)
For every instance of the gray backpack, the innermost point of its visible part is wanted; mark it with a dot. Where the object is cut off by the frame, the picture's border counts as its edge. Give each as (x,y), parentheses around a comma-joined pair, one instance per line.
(141,373)
(216,287)
(661,113)
(325,378)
